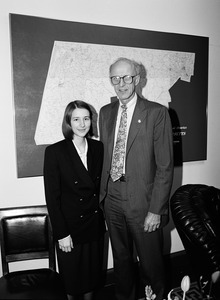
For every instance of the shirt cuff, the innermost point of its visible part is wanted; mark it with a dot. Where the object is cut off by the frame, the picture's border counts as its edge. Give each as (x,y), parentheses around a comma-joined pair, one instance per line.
(64,238)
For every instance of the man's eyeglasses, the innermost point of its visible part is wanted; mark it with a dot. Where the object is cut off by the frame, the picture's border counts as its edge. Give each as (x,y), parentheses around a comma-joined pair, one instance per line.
(117,79)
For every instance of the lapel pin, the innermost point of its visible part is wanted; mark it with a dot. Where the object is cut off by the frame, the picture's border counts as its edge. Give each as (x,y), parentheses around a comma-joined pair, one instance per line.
(139,121)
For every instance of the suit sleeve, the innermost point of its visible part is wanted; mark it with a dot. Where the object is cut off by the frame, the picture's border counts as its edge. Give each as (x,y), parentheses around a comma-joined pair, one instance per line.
(52,184)
(163,151)
(100,125)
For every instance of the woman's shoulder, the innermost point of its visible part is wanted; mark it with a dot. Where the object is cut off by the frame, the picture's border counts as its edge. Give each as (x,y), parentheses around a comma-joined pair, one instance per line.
(56,146)
(95,143)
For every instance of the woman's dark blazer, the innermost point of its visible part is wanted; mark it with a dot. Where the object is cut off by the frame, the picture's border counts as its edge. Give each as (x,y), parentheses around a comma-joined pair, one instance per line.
(72,191)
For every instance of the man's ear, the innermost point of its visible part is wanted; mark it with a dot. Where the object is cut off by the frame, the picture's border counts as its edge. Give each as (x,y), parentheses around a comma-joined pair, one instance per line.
(137,79)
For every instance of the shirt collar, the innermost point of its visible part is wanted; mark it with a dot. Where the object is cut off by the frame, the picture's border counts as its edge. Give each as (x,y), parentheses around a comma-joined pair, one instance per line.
(132,102)
(77,149)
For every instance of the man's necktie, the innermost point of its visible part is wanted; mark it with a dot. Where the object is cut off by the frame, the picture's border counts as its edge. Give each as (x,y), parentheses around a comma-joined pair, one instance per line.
(119,150)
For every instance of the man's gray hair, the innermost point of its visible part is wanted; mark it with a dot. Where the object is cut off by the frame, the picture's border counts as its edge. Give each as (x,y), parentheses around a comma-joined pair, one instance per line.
(132,62)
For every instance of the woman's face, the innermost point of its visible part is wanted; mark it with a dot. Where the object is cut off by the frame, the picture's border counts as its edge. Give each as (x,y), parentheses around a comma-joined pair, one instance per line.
(80,122)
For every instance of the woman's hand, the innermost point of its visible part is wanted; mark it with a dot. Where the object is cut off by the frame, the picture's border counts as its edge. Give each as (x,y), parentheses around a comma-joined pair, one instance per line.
(66,244)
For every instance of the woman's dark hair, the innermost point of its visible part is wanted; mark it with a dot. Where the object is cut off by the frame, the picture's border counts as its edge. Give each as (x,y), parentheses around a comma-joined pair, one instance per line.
(66,125)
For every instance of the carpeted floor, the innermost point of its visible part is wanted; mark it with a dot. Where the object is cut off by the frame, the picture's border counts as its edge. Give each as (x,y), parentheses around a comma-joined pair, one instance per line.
(107,293)
(177,266)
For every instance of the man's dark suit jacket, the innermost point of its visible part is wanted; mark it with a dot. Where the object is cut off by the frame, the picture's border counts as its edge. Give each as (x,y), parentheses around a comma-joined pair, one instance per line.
(149,157)
(72,192)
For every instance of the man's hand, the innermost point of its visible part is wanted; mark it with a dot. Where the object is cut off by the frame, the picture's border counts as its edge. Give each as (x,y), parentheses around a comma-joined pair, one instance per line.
(66,244)
(151,222)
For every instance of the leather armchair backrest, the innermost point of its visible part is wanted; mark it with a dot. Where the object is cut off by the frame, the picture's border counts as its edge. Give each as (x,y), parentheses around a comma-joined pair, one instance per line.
(25,234)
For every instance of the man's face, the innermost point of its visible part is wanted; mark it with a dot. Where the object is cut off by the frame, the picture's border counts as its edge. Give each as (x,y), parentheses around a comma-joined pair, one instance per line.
(124,91)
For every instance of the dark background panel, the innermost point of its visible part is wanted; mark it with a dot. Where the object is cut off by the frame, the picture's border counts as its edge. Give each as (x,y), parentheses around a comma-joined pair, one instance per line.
(32,40)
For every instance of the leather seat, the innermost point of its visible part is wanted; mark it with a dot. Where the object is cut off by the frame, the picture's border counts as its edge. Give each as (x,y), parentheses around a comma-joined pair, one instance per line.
(25,233)
(195,210)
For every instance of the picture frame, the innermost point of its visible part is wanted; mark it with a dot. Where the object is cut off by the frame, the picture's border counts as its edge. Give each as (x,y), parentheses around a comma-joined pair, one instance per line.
(32,42)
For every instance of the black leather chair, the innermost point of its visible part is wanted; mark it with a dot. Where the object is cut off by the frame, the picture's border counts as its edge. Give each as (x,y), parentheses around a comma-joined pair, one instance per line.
(25,233)
(195,210)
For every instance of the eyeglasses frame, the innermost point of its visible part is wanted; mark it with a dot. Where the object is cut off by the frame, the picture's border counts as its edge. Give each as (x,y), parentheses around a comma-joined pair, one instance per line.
(122,77)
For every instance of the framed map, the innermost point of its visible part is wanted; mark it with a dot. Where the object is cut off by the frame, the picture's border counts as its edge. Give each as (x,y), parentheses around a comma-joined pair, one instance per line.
(55,62)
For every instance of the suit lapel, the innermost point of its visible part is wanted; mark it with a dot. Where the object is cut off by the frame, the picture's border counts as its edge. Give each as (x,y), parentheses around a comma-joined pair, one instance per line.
(140,113)
(92,159)
(111,126)
(89,159)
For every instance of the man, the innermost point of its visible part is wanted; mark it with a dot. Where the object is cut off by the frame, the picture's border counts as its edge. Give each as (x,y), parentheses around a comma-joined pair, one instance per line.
(136,204)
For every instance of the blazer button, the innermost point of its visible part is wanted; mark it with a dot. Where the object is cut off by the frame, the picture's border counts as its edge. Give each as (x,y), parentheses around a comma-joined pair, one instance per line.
(81,216)
(76,182)
(94,195)
(80,199)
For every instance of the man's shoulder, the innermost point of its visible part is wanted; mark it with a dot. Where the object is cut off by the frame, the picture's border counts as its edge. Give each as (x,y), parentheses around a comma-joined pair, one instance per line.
(109,105)
(150,104)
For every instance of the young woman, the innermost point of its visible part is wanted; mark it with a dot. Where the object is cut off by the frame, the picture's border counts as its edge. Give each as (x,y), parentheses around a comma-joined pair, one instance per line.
(72,170)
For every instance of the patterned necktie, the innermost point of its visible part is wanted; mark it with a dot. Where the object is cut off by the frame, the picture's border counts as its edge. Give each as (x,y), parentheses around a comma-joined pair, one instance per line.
(119,150)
